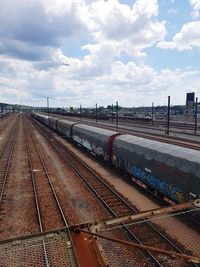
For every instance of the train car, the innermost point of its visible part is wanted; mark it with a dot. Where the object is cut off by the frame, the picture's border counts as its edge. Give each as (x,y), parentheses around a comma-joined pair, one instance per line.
(96,140)
(52,122)
(35,115)
(170,171)
(42,118)
(64,127)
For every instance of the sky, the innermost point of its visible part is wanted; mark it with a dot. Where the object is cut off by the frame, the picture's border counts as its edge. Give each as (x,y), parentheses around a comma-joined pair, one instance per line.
(83,52)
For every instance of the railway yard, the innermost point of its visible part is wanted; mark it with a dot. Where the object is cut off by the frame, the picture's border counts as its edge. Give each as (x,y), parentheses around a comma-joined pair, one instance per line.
(61,206)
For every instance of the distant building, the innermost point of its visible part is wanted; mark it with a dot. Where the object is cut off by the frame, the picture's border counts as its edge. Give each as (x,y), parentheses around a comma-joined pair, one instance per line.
(190,106)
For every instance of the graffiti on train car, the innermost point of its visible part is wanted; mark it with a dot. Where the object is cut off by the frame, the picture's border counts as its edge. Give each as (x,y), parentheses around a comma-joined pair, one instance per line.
(82,142)
(97,150)
(89,145)
(167,189)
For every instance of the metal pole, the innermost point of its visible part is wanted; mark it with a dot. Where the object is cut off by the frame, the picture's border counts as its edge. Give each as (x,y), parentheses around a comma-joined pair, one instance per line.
(152,114)
(48,107)
(112,112)
(80,111)
(195,129)
(96,113)
(2,112)
(168,115)
(117,116)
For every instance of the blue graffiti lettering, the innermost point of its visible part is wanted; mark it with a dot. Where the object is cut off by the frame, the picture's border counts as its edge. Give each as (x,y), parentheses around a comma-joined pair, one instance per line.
(152,181)
(166,189)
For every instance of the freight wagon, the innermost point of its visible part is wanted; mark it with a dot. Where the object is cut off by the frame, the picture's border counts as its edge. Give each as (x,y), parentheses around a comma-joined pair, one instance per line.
(64,127)
(164,169)
(170,171)
(96,140)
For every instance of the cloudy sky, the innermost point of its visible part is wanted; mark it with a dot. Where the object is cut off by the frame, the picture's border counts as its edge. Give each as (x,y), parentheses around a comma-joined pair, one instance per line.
(99,51)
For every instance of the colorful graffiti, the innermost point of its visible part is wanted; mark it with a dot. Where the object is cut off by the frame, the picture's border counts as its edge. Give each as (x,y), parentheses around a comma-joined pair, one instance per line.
(88,145)
(166,189)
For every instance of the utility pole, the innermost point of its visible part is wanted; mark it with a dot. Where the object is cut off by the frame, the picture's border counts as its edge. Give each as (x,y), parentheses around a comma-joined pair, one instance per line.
(152,113)
(96,113)
(80,111)
(112,112)
(117,116)
(195,128)
(2,112)
(168,115)
(48,107)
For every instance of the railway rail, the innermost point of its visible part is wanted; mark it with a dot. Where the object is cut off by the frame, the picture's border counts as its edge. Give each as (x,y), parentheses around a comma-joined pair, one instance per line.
(188,143)
(143,122)
(5,159)
(156,137)
(161,128)
(161,124)
(114,203)
(176,127)
(4,123)
(50,214)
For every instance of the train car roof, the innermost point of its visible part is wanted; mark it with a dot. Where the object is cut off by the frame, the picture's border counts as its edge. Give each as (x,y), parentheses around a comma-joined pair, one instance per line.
(66,121)
(140,144)
(53,118)
(42,115)
(95,130)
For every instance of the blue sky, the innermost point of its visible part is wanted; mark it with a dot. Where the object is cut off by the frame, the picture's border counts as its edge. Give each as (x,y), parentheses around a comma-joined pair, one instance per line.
(133,52)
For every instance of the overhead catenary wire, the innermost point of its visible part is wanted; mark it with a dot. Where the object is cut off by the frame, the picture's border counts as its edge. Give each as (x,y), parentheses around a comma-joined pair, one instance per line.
(22,90)
(45,96)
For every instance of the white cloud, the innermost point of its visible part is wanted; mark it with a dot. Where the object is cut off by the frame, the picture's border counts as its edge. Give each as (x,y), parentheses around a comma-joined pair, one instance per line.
(32,29)
(189,35)
(128,30)
(187,39)
(34,35)
(196,8)
(131,84)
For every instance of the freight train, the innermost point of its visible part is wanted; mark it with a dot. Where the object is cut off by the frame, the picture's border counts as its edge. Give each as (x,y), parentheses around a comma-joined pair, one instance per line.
(169,171)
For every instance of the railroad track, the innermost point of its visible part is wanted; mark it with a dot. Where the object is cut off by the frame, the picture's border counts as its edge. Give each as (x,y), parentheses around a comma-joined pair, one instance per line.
(160,127)
(7,119)
(163,124)
(152,136)
(155,137)
(178,125)
(50,214)
(116,206)
(5,159)
(137,122)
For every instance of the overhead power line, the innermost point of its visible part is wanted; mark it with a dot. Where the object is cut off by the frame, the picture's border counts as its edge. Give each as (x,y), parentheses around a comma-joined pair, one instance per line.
(22,90)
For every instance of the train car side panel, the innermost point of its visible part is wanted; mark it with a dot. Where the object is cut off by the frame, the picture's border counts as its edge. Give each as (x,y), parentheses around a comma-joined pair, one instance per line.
(94,139)
(165,171)
(53,123)
(43,119)
(64,127)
